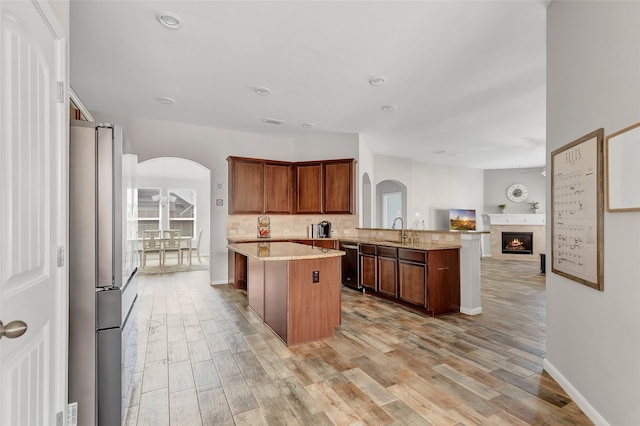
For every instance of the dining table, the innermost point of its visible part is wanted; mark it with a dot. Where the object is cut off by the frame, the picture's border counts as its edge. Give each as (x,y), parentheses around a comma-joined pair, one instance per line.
(186,243)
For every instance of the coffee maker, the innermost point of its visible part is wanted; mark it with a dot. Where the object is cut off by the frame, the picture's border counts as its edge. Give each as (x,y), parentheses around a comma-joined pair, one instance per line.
(324,229)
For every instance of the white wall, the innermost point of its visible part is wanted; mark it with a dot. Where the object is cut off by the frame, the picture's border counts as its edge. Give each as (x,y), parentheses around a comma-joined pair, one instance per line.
(325,147)
(432,189)
(496,183)
(593,337)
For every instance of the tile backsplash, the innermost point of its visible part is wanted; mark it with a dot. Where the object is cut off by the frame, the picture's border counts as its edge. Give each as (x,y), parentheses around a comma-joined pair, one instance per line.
(292,225)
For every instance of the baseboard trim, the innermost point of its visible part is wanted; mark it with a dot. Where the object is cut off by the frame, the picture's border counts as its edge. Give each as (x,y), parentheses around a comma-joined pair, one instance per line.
(584,405)
(218,282)
(474,311)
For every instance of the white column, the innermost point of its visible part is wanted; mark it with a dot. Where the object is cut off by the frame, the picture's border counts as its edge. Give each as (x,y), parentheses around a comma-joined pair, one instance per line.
(470,254)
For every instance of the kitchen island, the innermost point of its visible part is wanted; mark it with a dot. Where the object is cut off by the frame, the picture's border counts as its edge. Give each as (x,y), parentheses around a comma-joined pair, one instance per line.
(293,288)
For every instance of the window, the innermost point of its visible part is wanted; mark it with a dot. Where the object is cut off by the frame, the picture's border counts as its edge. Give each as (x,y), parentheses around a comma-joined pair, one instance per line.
(182,215)
(148,209)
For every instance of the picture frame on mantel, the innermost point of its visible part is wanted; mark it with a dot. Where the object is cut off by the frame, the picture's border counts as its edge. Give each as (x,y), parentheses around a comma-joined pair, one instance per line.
(577,210)
(623,174)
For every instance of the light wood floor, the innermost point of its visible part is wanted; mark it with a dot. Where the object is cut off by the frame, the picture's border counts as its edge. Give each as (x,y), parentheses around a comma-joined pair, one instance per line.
(205,359)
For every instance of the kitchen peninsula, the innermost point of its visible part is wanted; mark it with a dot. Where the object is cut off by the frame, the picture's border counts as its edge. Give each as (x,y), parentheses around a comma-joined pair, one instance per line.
(293,288)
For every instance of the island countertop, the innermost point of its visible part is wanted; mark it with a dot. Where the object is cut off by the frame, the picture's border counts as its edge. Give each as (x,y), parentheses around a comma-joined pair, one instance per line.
(283,251)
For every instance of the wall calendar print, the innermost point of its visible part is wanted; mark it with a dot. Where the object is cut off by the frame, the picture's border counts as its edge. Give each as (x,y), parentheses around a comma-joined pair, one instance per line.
(577,209)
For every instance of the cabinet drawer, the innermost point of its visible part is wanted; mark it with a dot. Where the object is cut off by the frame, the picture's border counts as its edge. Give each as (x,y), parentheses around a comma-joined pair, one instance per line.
(368,249)
(418,256)
(387,251)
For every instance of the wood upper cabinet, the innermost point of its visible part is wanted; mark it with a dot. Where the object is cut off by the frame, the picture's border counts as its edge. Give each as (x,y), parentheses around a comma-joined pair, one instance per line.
(278,188)
(246,186)
(339,191)
(309,188)
(259,186)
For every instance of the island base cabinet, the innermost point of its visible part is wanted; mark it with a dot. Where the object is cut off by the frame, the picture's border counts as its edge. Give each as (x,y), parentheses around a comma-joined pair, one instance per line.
(282,293)
(255,286)
(275,297)
(314,308)
(412,279)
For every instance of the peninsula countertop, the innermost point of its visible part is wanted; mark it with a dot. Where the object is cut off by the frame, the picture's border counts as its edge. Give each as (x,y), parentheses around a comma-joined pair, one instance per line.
(428,246)
(283,251)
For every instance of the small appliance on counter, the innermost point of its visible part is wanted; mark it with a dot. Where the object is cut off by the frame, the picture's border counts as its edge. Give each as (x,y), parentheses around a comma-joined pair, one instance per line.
(264,227)
(324,229)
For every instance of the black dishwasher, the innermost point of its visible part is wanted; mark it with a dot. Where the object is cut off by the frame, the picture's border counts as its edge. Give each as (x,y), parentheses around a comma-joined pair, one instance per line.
(350,265)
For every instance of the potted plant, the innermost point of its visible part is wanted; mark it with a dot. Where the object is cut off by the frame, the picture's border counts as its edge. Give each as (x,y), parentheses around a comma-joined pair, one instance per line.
(502,207)
(534,206)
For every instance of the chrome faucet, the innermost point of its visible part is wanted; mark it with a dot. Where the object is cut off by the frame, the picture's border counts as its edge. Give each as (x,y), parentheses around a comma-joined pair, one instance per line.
(403,236)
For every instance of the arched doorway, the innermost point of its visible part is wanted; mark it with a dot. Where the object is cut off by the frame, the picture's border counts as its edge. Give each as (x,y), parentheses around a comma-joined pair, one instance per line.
(175,193)
(391,202)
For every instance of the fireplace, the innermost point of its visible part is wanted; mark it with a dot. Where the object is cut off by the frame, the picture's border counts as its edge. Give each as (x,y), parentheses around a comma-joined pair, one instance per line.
(517,242)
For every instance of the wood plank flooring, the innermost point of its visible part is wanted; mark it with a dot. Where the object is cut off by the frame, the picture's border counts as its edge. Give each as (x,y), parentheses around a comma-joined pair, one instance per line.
(204,359)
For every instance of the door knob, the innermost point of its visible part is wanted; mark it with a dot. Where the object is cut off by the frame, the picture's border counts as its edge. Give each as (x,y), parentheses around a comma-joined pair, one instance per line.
(13,329)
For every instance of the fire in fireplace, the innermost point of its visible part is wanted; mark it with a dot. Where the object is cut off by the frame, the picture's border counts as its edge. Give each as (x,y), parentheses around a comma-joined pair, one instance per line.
(517,242)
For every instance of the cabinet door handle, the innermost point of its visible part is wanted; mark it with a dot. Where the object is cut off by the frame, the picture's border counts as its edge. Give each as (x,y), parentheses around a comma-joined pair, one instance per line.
(442,269)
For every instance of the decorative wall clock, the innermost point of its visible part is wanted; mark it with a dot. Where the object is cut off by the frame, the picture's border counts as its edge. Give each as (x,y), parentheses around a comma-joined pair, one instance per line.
(517,192)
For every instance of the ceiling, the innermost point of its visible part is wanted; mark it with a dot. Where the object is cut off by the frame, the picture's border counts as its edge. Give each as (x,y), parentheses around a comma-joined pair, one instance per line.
(467,77)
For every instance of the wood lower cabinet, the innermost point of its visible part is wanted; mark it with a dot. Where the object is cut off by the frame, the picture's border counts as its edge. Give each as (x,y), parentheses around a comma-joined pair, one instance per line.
(428,281)
(330,244)
(237,270)
(413,282)
(387,271)
(444,281)
(368,267)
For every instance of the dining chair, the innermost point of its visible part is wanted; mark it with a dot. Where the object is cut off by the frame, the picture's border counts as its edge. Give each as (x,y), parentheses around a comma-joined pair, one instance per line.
(191,249)
(171,243)
(151,243)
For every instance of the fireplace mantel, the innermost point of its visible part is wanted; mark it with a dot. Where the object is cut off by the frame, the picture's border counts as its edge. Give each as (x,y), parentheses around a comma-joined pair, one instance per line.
(516,219)
(516,222)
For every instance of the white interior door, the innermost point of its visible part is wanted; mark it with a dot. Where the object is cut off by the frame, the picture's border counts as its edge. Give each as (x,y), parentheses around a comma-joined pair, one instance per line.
(33,135)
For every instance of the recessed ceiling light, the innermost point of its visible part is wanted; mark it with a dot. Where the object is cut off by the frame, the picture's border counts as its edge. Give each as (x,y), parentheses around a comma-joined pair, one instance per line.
(263,91)
(273,121)
(169,20)
(307,125)
(166,101)
(377,81)
(389,108)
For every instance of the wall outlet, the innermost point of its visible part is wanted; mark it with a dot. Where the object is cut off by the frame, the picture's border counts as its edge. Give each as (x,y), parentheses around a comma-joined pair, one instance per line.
(316,276)
(241,231)
(417,214)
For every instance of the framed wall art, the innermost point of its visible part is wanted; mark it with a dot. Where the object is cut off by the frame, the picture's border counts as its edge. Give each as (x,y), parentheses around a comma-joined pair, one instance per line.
(623,173)
(577,209)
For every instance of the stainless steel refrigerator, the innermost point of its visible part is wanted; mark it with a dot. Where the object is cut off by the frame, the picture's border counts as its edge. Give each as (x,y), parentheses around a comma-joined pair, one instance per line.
(103,284)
